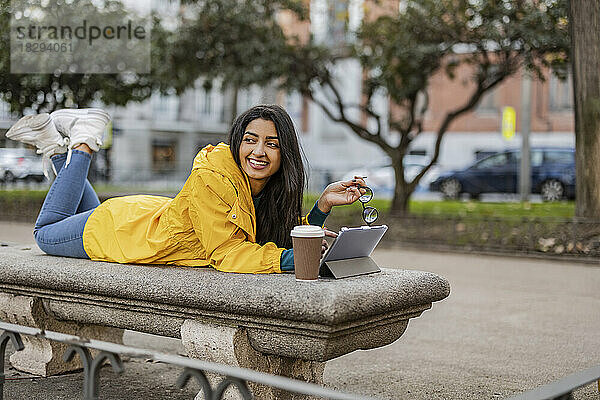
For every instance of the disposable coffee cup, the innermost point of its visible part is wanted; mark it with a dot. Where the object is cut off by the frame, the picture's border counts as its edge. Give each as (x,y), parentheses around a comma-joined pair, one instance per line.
(307,241)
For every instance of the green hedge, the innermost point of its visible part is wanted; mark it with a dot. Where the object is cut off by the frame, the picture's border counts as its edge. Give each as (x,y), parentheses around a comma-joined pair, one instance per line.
(547,228)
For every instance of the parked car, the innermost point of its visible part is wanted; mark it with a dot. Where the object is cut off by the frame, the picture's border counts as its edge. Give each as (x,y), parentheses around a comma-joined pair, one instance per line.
(552,175)
(382,179)
(20,164)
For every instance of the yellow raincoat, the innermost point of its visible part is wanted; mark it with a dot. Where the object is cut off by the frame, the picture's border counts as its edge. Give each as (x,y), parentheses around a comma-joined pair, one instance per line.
(210,222)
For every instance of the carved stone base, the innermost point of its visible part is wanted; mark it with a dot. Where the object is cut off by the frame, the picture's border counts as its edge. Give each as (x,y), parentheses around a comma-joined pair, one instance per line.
(40,356)
(228,345)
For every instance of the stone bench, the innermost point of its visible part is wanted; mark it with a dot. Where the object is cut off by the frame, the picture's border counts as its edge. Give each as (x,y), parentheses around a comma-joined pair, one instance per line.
(270,323)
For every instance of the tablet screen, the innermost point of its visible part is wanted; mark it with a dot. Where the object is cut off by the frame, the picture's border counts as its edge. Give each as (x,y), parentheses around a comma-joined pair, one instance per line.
(355,242)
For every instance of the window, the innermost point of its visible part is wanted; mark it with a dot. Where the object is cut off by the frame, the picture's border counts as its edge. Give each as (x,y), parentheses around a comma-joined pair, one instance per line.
(5,113)
(488,103)
(165,107)
(331,20)
(163,155)
(559,157)
(209,104)
(204,101)
(493,161)
(222,99)
(481,154)
(338,21)
(293,105)
(537,157)
(560,96)
(248,98)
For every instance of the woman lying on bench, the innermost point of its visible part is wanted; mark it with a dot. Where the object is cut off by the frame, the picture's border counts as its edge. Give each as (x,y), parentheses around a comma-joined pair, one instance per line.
(234,213)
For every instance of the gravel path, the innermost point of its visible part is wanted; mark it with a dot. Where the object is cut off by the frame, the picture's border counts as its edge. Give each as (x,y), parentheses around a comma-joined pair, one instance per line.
(509,325)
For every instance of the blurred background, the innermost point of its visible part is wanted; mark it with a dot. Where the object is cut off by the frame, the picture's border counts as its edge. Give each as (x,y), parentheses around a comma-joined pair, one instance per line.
(155,135)
(433,101)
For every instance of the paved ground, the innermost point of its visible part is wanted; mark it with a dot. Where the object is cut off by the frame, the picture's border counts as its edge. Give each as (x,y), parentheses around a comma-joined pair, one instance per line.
(510,324)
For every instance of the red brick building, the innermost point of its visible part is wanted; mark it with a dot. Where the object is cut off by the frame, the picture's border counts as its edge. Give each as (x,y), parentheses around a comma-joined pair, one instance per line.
(551,104)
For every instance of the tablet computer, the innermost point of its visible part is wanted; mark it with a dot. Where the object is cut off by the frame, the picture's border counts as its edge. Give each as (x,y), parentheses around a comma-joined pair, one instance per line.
(349,255)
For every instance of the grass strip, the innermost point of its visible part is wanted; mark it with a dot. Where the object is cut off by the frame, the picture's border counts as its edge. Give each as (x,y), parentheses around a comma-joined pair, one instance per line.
(564,209)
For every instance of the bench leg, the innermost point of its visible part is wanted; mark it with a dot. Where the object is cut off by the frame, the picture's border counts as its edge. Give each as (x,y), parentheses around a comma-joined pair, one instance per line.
(40,356)
(228,345)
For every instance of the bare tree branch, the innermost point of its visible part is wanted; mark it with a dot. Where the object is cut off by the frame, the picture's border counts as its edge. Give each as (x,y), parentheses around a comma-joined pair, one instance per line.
(470,104)
(360,130)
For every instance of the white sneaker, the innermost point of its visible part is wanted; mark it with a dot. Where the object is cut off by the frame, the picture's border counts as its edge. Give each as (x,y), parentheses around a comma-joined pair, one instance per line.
(83,125)
(39,131)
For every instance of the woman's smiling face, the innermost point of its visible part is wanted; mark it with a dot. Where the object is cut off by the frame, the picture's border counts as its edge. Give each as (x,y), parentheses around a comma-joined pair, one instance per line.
(260,155)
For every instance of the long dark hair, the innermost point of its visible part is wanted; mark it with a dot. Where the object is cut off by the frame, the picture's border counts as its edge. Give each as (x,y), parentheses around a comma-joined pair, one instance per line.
(280,205)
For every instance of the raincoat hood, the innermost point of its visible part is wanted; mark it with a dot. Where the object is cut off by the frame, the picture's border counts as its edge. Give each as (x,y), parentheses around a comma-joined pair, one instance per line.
(219,159)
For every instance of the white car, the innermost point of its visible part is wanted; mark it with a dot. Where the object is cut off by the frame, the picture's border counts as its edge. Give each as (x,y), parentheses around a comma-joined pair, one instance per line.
(381,178)
(20,164)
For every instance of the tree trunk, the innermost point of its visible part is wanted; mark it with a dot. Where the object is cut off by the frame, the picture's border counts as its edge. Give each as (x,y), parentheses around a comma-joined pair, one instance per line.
(402,191)
(400,201)
(585,39)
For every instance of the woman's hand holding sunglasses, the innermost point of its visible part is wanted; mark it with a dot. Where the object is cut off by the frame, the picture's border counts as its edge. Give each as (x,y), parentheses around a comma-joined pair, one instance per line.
(342,193)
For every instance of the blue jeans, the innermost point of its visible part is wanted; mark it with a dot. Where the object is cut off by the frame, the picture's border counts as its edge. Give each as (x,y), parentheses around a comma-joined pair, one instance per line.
(67,207)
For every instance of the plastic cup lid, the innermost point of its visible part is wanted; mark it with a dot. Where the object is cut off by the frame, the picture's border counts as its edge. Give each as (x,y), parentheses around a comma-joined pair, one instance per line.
(307,231)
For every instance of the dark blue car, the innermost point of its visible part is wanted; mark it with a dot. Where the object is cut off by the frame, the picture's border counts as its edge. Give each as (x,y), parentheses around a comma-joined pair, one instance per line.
(552,175)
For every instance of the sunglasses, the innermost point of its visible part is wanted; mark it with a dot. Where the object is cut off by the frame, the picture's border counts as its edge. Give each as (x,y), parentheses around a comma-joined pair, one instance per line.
(369,213)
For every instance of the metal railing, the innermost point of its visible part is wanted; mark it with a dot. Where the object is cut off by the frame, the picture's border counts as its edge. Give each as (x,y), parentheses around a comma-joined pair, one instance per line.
(112,352)
(562,389)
